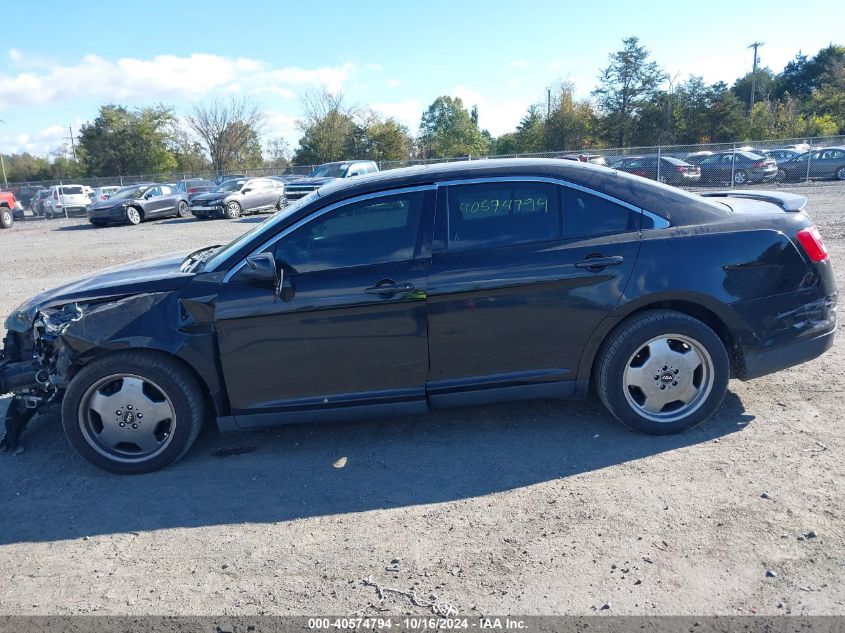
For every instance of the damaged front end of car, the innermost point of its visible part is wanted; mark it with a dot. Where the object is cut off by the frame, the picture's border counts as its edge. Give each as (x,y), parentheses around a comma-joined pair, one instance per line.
(33,364)
(45,346)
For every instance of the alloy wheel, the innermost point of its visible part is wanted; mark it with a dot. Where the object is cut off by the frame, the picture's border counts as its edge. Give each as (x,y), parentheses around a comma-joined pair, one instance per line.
(740,178)
(127,418)
(668,378)
(133,216)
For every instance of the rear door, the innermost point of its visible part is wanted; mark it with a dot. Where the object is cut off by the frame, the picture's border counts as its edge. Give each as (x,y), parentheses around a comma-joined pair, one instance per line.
(522,273)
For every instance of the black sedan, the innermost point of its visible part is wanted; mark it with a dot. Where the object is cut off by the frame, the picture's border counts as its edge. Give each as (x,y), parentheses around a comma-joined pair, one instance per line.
(139,202)
(673,171)
(825,163)
(741,167)
(454,284)
(241,196)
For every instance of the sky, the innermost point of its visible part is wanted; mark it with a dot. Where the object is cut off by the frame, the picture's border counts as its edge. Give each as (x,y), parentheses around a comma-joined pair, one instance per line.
(62,60)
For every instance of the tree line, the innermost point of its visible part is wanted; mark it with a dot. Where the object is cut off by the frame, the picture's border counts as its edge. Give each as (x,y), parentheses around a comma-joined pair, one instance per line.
(635,103)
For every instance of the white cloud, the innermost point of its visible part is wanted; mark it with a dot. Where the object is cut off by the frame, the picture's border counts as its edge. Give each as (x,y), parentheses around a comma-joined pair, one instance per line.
(495,115)
(393,82)
(280,124)
(189,77)
(406,112)
(374,67)
(39,143)
(517,63)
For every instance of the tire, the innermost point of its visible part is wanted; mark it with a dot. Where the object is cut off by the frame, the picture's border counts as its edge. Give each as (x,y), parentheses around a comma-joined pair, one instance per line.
(740,177)
(233,210)
(693,365)
(781,175)
(840,173)
(182,210)
(280,204)
(133,216)
(6,218)
(147,382)
(664,180)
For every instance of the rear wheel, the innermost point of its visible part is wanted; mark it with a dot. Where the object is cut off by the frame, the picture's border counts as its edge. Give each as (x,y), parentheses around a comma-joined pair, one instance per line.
(840,173)
(132,412)
(662,372)
(6,218)
(133,216)
(183,210)
(781,175)
(233,210)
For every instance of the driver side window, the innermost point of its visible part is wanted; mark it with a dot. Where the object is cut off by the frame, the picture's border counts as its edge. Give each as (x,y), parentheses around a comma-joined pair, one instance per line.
(374,231)
(152,192)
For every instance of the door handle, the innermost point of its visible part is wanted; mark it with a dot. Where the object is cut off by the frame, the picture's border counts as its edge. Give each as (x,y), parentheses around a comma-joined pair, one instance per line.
(597,262)
(387,289)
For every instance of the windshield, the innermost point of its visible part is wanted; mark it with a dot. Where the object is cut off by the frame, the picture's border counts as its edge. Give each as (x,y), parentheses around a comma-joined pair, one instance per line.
(129,193)
(267,226)
(335,170)
(229,185)
(71,191)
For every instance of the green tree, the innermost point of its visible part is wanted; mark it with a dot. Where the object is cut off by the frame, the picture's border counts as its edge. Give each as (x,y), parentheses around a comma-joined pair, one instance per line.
(26,168)
(377,139)
(625,87)
(326,126)
(230,132)
(447,130)
(764,86)
(120,141)
(571,124)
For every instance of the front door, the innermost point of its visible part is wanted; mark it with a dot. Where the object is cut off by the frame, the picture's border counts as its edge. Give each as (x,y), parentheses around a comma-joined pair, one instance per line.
(348,335)
(522,274)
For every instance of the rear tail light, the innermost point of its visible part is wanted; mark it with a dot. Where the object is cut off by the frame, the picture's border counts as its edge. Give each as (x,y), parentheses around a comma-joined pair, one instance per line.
(761,163)
(192,190)
(812,243)
(680,169)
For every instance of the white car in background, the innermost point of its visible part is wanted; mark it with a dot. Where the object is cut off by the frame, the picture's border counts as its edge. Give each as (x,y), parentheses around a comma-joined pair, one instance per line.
(66,199)
(103,193)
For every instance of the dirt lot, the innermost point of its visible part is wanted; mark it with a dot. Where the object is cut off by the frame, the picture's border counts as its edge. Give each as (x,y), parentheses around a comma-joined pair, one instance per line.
(545,507)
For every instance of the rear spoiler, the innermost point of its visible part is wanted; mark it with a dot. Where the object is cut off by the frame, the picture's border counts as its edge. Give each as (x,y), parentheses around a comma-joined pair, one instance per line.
(787,201)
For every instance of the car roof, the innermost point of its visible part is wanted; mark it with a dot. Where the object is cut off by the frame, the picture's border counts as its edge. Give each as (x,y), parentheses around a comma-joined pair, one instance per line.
(676,205)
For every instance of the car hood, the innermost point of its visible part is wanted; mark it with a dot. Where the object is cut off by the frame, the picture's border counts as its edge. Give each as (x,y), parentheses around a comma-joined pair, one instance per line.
(108,204)
(319,182)
(207,196)
(161,274)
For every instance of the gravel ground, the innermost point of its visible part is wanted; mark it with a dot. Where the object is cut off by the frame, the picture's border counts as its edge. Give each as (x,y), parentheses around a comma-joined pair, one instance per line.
(528,508)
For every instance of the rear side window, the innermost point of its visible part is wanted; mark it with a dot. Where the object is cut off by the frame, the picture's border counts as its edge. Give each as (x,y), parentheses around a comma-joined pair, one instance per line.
(502,214)
(586,215)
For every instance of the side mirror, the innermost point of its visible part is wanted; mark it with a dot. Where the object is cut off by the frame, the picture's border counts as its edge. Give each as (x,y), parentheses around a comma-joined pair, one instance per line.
(353,174)
(262,267)
(246,190)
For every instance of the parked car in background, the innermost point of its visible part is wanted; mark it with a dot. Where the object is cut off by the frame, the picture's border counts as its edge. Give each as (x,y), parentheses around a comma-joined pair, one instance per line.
(8,206)
(221,178)
(326,173)
(136,203)
(103,193)
(25,194)
(534,279)
(193,186)
(241,196)
(594,159)
(37,204)
(695,158)
(65,200)
(780,155)
(742,167)
(673,171)
(825,163)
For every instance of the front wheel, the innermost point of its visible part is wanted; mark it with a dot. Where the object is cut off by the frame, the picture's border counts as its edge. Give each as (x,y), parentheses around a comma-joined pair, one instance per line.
(662,372)
(233,210)
(781,175)
(740,177)
(133,216)
(6,218)
(132,412)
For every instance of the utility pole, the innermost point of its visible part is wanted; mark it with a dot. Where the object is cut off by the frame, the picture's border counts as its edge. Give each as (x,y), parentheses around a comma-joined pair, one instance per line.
(755,46)
(72,146)
(548,103)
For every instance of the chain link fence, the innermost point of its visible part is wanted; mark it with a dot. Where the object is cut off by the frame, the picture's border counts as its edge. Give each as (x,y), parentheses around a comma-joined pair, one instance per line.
(720,164)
